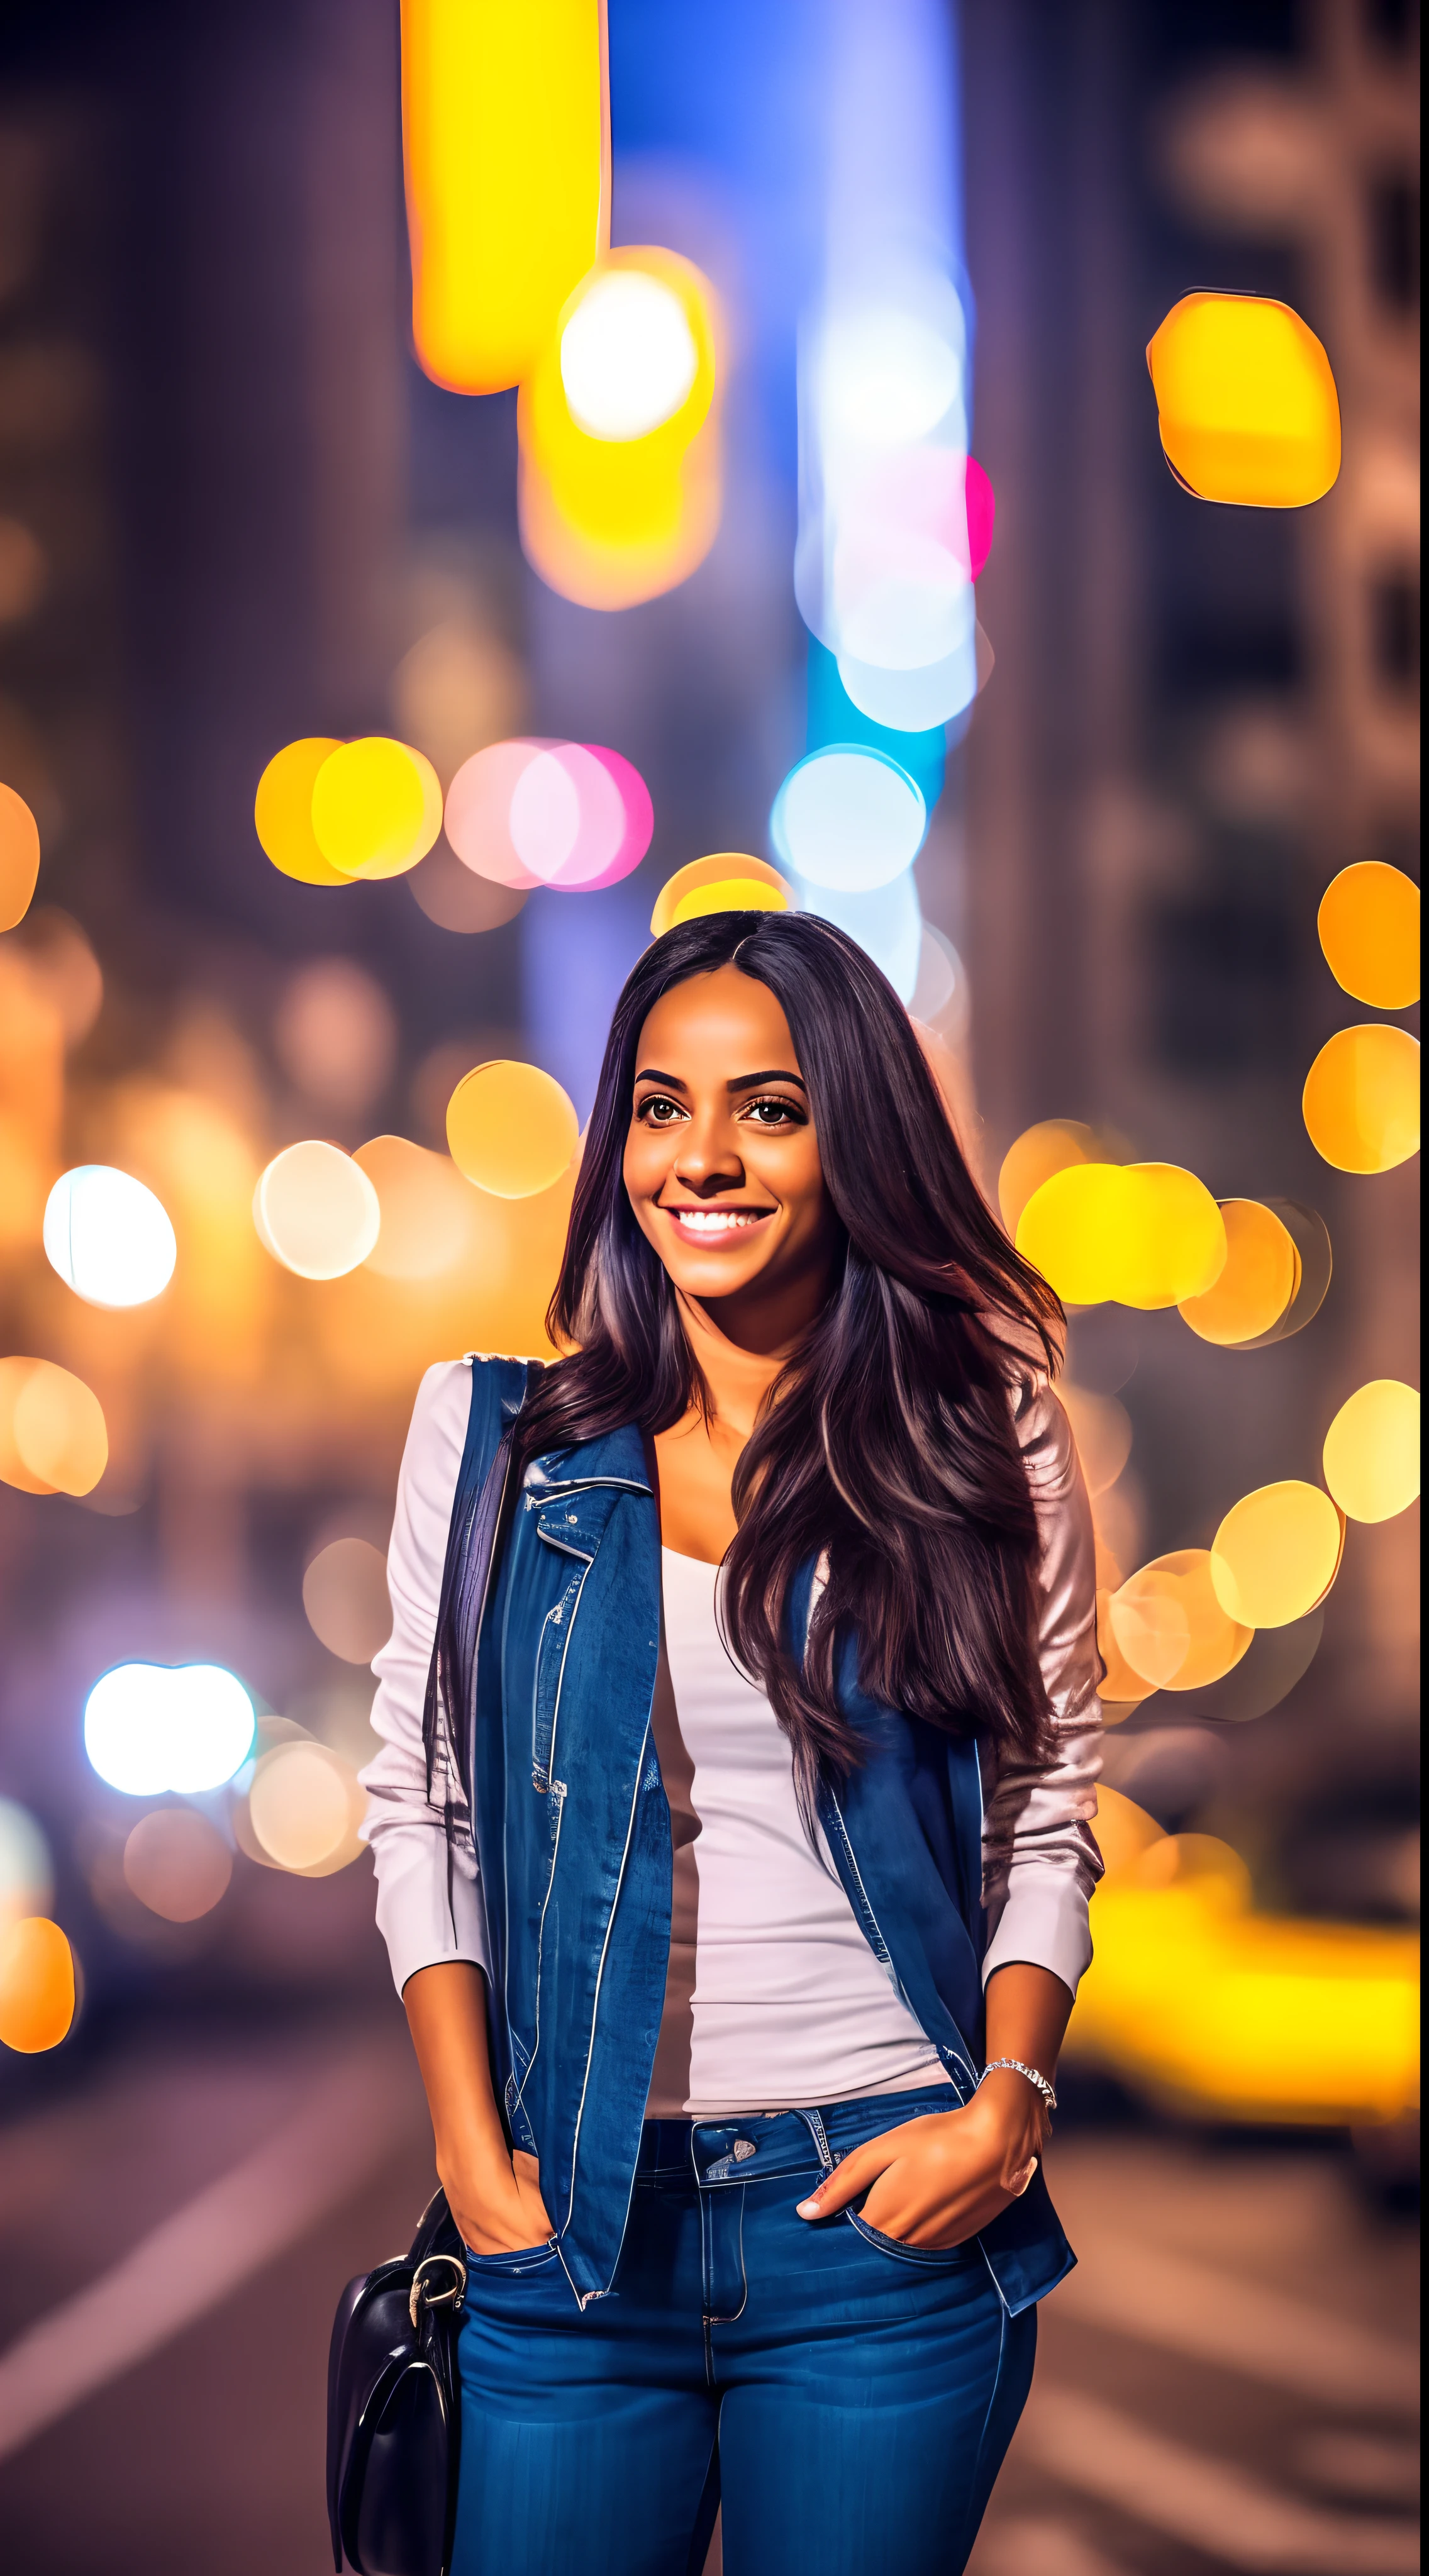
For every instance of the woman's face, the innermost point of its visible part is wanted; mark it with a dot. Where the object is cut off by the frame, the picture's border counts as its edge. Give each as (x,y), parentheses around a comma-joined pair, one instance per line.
(722,1161)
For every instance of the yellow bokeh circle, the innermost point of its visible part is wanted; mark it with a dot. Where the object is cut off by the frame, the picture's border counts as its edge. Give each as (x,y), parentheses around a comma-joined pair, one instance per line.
(1171,1626)
(376,806)
(511,1128)
(1053,1145)
(1138,1234)
(1372,1451)
(740,884)
(1259,1283)
(1361,1099)
(1247,403)
(283,811)
(1276,1554)
(1369,930)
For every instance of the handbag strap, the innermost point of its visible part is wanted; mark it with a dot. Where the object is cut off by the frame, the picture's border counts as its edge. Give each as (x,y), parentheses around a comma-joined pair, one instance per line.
(478,1511)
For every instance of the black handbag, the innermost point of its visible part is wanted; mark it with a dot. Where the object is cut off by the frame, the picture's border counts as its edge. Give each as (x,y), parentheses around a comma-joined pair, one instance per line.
(393,2400)
(393,2408)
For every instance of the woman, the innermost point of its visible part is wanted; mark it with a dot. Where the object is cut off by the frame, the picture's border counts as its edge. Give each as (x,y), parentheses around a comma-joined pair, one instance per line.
(768,1747)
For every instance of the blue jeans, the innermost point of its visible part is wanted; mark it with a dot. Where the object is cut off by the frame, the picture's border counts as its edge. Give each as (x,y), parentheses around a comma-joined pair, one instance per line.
(847,2398)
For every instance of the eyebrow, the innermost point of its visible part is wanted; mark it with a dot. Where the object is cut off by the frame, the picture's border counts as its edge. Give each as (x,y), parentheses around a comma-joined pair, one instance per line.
(739,1082)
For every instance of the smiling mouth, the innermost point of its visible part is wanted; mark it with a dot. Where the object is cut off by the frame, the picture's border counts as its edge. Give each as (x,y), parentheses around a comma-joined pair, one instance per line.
(716,1225)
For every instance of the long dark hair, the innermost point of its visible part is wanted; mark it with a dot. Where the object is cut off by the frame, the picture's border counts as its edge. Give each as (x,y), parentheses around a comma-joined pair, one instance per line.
(887,1440)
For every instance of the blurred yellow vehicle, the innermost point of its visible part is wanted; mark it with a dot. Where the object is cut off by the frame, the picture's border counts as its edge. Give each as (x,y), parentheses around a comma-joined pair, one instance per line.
(1201,2004)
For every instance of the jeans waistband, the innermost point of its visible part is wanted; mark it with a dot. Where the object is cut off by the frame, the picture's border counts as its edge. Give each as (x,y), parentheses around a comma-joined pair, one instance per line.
(763,2145)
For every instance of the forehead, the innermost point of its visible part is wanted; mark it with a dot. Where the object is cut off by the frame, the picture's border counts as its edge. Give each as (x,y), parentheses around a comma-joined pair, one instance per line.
(723,1024)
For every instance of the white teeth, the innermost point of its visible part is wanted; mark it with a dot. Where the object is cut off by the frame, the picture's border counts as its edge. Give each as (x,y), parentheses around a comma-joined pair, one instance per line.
(714,1220)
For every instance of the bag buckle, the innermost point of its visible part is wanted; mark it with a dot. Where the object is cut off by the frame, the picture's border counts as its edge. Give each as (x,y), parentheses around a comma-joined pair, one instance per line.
(425,2297)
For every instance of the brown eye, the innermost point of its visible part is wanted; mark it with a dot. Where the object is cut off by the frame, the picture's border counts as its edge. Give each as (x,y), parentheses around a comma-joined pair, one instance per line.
(659,1110)
(774,1113)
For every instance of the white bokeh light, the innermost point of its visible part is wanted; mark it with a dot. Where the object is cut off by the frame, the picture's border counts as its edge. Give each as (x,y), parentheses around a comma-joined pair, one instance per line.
(888,378)
(109,1237)
(848,818)
(628,356)
(155,1727)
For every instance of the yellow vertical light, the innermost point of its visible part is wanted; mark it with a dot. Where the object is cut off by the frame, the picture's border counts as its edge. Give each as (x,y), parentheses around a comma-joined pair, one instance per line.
(506,135)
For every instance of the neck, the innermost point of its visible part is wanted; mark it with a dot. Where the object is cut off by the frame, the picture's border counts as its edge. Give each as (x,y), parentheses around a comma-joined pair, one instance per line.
(739,1367)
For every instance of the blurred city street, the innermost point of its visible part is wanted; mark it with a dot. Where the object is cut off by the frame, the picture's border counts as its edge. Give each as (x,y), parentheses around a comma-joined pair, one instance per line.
(1227,2382)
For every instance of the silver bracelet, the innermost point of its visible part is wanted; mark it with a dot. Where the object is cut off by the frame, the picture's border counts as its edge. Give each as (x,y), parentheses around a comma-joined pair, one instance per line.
(1014,2066)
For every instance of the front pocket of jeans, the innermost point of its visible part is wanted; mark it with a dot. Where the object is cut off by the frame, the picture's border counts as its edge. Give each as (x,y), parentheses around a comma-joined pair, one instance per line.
(924,2258)
(515,2266)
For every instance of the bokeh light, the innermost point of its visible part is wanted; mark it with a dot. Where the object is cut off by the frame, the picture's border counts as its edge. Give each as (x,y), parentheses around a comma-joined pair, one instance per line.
(149,1728)
(1275,1660)
(109,1237)
(26,1875)
(456,898)
(283,811)
(37,1985)
(1369,930)
(981,505)
(1311,1237)
(1144,1234)
(53,1438)
(1259,1283)
(725,881)
(505,126)
(609,518)
(346,1599)
(511,1128)
(478,812)
(1102,1430)
(628,355)
(1171,1626)
(177,1864)
(1053,1145)
(62,967)
(305,1804)
(316,1211)
(19,857)
(1276,1554)
(1121,1687)
(428,1213)
(1247,402)
(1361,1098)
(1372,1451)
(377,807)
(848,817)
(580,817)
(335,1035)
(1070,1228)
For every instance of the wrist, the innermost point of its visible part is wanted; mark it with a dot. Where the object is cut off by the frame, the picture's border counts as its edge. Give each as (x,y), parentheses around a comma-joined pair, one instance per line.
(1005,2069)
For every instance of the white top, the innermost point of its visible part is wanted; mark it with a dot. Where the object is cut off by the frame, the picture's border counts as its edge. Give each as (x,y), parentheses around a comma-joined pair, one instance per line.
(1040,1861)
(773,1996)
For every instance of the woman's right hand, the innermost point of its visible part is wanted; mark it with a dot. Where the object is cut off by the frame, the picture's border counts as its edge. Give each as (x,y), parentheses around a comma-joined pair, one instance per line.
(497,2203)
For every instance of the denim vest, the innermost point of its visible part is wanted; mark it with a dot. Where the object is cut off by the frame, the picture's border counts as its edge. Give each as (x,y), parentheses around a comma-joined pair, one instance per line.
(572,1832)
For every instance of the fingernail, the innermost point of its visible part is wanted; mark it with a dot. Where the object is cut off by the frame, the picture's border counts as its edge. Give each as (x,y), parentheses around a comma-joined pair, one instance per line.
(808,2208)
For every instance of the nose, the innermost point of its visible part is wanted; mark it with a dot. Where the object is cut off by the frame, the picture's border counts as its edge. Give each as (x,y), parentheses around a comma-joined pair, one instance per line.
(707,1159)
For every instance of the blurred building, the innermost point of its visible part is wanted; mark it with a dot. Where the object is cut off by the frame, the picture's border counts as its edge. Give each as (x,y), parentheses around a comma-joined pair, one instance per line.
(1198,716)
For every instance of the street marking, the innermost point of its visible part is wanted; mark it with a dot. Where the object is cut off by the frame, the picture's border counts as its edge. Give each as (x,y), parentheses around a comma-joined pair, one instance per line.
(353,2120)
(1188,2307)
(1209,2504)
